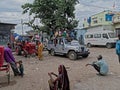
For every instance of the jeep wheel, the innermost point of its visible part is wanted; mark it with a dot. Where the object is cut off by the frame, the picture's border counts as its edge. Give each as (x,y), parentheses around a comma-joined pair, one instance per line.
(72,55)
(52,52)
(85,56)
(109,45)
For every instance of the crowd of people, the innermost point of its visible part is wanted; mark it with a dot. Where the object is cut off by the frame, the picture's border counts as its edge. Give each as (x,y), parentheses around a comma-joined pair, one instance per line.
(63,33)
(62,80)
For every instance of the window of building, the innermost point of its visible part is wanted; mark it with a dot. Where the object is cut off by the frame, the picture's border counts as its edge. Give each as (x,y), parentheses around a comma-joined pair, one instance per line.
(108,17)
(101,19)
(95,20)
(118,17)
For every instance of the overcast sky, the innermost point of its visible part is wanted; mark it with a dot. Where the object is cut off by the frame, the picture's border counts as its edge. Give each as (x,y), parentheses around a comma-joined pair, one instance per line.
(11,11)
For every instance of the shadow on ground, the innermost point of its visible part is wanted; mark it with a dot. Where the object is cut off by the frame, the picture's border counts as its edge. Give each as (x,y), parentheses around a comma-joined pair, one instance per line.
(5,84)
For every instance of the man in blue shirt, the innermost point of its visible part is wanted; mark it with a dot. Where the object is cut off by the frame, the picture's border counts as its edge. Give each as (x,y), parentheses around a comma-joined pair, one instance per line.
(100,65)
(118,47)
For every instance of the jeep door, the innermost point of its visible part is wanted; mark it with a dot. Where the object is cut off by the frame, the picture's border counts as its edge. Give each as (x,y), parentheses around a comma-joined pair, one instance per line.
(60,46)
(56,45)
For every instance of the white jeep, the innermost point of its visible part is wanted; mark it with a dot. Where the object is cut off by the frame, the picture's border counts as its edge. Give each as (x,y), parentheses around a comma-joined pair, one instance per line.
(62,46)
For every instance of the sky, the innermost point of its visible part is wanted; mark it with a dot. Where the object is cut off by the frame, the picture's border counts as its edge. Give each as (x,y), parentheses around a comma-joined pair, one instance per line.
(11,11)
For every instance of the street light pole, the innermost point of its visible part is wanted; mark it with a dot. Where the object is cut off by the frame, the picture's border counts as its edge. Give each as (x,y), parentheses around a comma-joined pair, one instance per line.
(22,26)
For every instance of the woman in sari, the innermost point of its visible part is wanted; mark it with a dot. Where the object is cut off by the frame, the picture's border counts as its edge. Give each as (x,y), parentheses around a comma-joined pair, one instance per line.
(40,50)
(62,80)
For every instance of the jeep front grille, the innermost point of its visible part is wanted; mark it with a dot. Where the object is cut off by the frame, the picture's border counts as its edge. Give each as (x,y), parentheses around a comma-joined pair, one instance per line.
(82,48)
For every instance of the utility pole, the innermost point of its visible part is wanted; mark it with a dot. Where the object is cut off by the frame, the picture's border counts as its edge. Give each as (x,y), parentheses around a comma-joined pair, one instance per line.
(22,26)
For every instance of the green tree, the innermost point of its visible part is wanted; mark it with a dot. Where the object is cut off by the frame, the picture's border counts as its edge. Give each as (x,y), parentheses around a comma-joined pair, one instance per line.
(53,14)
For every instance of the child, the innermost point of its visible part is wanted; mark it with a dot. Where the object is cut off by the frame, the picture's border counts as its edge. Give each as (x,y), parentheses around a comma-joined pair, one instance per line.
(21,68)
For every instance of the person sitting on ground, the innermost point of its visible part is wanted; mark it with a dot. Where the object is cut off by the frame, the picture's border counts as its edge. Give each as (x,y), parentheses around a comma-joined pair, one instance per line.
(62,80)
(101,66)
(21,68)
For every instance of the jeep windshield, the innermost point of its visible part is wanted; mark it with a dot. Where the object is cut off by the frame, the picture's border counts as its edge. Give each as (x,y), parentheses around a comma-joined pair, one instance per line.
(67,41)
(73,42)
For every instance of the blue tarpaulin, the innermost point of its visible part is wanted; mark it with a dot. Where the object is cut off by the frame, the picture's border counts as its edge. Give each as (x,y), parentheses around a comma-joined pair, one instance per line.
(19,37)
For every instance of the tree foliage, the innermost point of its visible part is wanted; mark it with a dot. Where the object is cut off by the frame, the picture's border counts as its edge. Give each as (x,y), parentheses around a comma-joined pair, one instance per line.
(53,14)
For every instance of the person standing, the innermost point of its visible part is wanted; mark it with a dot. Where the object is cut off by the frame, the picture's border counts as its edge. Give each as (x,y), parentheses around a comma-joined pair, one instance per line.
(64,34)
(9,58)
(100,66)
(117,47)
(40,50)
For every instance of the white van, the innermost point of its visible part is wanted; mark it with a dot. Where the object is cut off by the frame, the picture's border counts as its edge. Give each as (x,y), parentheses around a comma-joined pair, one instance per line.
(104,37)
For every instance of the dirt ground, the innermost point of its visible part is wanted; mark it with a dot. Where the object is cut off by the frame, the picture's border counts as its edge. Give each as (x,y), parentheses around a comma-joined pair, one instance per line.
(81,77)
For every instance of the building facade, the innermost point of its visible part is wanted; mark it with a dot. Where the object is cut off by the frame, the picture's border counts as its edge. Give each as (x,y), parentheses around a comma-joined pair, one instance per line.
(100,21)
(6,32)
(116,22)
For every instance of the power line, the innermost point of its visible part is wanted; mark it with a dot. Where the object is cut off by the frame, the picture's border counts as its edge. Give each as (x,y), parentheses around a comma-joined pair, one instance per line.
(95,6)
